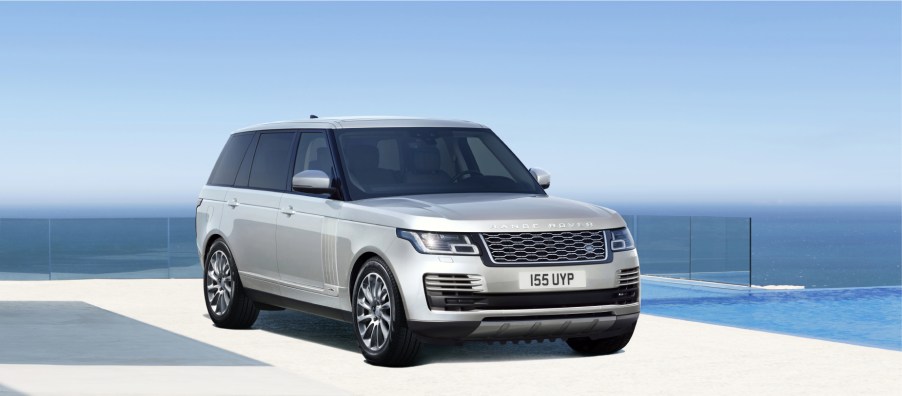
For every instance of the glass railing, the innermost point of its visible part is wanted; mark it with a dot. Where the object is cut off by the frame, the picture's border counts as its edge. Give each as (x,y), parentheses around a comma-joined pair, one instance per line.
(98,248)
(715,249)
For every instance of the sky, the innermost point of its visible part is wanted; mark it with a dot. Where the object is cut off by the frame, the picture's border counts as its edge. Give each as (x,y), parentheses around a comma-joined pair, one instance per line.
(763,103)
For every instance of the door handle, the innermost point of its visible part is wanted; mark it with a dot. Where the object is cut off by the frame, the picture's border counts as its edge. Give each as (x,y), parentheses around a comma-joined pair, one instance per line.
(290,211)
(234,202)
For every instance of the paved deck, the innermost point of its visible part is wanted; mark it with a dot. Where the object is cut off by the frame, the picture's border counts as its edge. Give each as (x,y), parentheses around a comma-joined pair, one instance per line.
(153,337)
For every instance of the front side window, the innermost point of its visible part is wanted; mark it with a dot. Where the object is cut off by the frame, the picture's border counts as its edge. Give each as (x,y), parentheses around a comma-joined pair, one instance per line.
(269,171)
(313,154)
(383,162)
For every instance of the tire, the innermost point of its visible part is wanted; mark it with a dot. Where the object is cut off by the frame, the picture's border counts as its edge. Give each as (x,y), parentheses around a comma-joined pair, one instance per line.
(603,346)
(233,310)
(374,289)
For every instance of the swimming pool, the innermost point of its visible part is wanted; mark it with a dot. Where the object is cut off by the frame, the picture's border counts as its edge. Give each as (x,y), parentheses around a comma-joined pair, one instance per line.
(869,316)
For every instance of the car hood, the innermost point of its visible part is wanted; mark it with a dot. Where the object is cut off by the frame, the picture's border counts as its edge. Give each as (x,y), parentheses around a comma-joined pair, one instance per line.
(483,213)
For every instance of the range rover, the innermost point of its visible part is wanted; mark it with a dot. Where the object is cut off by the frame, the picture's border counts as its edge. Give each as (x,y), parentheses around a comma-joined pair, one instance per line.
(411,230)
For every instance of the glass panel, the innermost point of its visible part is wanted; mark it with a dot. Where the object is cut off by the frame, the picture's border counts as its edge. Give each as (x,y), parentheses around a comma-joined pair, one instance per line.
(828,248)
(270,167)
(430,161)
(313,153)
(230,159)
(739,249)
(663,244)
(24,249)
(720,249)
(109,248)
(487,163)
(183,259)
(630,223)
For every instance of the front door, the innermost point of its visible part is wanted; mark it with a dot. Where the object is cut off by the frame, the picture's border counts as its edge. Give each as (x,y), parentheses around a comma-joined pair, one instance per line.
(307,225)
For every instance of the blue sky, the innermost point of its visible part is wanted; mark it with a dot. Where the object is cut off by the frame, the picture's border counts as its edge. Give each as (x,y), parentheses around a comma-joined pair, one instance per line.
(658,103)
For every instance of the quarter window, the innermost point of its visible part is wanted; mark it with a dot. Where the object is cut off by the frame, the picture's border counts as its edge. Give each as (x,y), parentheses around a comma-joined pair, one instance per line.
(229,161)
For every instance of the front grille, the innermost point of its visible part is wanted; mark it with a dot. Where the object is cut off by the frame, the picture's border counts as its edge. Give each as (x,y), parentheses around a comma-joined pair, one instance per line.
(629,276)
(546,247)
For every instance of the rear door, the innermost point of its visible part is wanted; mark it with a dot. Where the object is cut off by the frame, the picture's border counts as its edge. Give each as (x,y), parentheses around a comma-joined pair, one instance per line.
(252,207)
(307,225)
(213,195)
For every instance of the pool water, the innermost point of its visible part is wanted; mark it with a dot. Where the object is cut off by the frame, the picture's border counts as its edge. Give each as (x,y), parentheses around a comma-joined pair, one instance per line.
(869,316)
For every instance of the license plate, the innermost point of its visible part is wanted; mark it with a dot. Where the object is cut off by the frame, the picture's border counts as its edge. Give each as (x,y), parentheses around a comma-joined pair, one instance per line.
(552,280)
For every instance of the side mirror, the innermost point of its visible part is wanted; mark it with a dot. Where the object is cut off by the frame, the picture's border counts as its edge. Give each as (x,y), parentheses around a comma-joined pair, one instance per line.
(544,178)
(312,181)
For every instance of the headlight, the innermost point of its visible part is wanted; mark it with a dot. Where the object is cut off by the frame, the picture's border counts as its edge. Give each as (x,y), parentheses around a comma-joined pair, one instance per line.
(621,239)
(440,243)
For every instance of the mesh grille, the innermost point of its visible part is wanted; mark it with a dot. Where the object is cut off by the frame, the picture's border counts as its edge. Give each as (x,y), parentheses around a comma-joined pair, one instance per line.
(546,247)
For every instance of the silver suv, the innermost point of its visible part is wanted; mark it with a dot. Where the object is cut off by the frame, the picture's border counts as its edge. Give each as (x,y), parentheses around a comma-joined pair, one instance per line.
(412,230)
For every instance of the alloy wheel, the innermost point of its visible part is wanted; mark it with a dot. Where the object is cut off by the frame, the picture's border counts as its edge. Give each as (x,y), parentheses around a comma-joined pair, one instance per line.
(373,312)
(220,286)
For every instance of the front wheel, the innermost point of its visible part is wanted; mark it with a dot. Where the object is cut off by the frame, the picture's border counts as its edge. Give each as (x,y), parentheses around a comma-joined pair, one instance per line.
(379,321)
(602,346)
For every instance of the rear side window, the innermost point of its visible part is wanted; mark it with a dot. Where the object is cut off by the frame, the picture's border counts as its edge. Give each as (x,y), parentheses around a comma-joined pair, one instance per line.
(272,159)
(230,160)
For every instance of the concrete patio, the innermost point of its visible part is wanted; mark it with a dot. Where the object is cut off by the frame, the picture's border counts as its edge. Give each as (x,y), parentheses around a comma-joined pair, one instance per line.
(153,337)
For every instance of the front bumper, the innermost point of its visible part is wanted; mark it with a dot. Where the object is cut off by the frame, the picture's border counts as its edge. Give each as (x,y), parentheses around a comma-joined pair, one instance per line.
(500,310)
(527,328)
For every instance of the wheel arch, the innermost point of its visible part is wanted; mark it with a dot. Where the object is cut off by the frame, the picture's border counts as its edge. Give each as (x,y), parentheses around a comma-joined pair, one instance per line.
(211,239)
(362,258)
(358,262)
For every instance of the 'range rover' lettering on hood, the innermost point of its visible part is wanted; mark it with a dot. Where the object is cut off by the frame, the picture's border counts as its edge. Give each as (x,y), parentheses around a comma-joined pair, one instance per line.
(533,226)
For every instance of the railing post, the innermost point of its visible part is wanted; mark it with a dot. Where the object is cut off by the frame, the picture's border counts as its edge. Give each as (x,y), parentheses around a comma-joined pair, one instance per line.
(750,252)
(49,249)
(690,247)
(168,249)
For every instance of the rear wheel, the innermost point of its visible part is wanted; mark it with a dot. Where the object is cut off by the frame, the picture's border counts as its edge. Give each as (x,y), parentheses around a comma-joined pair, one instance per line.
(602,346)
(229,307)
(379,320)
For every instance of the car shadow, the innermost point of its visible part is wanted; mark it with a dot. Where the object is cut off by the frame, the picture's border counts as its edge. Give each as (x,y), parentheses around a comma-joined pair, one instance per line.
(308,327)
(495,352)
(340,335)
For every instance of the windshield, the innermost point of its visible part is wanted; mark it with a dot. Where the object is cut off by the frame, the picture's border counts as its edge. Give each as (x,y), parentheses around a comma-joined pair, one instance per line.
(383,162)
